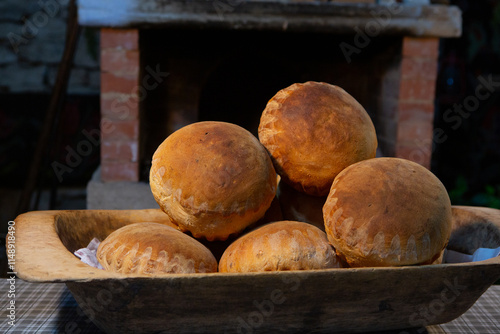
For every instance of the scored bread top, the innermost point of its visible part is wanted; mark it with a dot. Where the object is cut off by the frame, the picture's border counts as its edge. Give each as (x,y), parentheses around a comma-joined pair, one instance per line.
(386,212)
(313,131)
(154,249)
(278,246)
(213,179)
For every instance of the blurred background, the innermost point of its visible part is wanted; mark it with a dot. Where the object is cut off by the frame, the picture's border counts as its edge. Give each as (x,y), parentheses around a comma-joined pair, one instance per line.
(32,45)
(30,54)
(468,162)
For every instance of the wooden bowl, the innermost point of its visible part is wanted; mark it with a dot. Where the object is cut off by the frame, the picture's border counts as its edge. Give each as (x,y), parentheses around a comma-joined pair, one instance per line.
(331,301)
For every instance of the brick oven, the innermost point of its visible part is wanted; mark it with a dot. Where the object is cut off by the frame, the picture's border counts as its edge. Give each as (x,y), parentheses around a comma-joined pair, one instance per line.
(165,64)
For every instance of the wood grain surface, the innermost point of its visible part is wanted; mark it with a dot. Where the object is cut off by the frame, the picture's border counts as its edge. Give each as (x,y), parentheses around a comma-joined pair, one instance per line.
(318,301)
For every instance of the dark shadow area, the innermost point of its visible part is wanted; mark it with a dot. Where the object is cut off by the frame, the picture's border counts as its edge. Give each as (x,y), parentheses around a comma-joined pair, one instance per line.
(230,75)
(467,152)
(72,319)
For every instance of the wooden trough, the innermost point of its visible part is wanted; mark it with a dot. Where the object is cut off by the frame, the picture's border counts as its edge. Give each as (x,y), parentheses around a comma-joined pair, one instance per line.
(320,301)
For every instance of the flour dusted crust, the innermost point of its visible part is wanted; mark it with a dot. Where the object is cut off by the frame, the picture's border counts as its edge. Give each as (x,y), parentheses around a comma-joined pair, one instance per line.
(388,212)
(279,246)
(154,249)
(213,179)
(313,131)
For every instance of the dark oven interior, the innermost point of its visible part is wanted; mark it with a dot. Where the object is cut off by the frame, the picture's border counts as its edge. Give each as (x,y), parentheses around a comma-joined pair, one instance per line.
(229,75)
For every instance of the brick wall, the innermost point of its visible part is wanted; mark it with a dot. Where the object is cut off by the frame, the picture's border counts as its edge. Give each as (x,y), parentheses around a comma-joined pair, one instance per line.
(416,99)
(403,88)
(405,102)
(120,98)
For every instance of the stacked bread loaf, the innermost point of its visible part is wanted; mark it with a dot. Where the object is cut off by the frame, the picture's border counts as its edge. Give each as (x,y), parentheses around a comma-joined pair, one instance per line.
(308,193)
(377,211)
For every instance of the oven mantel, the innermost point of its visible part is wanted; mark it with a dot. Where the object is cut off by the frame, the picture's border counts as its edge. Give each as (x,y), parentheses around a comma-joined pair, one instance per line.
(315,16)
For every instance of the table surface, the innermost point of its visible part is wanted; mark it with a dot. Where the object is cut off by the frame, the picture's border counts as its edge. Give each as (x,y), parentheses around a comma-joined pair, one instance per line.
(50,308)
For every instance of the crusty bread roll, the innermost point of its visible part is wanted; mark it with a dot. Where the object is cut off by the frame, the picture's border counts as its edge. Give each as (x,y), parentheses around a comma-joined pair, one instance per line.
(154,249)
(217,247)
(279,246)
(213,179)
(387,212)
(298,206)
(313,131)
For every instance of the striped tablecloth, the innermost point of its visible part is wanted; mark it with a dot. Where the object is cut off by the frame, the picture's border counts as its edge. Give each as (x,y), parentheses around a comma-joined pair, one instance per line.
(50,308)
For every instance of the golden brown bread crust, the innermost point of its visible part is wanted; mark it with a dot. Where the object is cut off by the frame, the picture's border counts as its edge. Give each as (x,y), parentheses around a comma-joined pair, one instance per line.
(154,249)
(212,179)
(217,247)
(279,246)
(387,212)
(313,131)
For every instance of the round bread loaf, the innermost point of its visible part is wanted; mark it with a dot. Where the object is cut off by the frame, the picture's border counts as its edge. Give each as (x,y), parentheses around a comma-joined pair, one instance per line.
(154,249)
(387,212)
(279,246)
(213,179)
(217,247)
(313,131)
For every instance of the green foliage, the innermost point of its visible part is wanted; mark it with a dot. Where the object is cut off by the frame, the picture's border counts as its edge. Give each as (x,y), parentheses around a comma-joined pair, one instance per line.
(92,42)
(461,194)
(457,194)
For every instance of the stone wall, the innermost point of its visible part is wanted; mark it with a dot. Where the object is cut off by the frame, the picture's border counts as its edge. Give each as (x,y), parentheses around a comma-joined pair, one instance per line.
(32,39)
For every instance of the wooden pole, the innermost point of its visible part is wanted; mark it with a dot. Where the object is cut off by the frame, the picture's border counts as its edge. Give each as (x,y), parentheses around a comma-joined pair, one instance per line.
(54,108)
